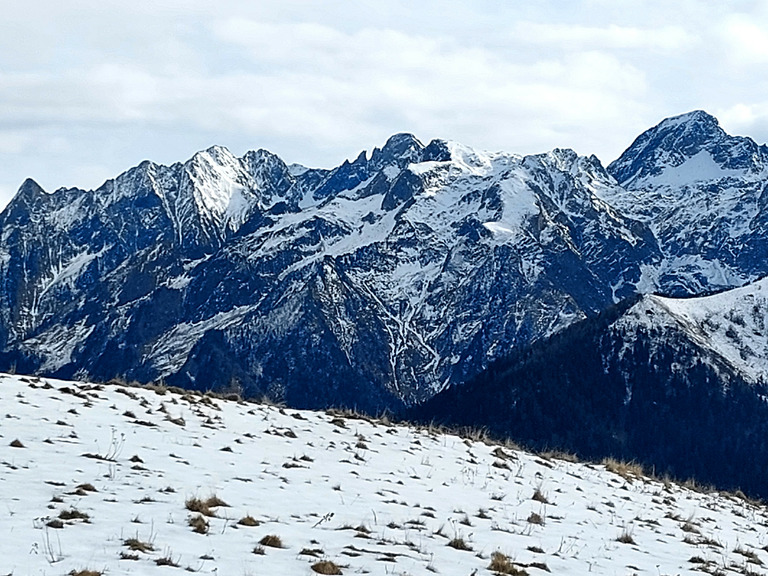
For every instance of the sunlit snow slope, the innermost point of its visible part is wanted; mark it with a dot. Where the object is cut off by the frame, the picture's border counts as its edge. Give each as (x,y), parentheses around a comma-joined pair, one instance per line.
(731,324)
(100,477)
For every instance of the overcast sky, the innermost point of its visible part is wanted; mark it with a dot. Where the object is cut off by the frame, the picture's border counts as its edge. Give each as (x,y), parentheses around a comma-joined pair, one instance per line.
(89,88)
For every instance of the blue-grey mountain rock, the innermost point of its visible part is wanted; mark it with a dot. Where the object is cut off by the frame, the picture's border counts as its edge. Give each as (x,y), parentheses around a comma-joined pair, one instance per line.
(374,284)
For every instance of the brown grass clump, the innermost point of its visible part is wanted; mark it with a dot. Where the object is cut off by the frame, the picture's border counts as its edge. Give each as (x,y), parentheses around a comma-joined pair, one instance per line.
(272,541)
(326,567)
(204,506)
(197,505)
(535,519)
(73,514)
(538,495)
(214,502)
(459,544)
(137,545)
(501,564)
(86,573)
(315,552)
(627,470)
(626,538)
(248,521)
(166,561)
(199,524)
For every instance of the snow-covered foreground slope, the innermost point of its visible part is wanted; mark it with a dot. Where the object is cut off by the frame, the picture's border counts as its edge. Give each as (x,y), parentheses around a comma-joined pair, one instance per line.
(368,496)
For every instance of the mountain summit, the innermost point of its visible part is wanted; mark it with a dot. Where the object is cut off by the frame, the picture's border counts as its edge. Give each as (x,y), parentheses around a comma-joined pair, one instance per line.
(668,145)
(703,194)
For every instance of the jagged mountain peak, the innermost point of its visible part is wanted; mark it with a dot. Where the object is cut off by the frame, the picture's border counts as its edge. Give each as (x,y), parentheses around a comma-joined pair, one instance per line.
(695,120)
(694,139)
(401,144)
(215,153)
(400,149)
(29,186)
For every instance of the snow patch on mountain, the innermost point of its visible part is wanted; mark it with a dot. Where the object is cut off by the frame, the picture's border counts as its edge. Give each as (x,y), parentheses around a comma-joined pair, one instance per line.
(730,324)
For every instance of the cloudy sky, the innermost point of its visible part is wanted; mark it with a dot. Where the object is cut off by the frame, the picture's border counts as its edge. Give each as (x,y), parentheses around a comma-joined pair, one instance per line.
(89,88)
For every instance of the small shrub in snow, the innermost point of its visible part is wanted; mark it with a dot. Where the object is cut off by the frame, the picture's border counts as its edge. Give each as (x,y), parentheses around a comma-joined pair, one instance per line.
(627,470)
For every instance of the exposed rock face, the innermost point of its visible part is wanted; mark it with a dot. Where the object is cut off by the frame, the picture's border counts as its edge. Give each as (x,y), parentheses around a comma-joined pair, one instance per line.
(377,283)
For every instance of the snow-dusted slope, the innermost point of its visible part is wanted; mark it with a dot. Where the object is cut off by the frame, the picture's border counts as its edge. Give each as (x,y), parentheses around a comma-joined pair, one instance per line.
(731,324)
(99,477)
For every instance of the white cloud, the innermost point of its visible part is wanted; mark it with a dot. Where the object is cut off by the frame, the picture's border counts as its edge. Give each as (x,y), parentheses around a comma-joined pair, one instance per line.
(747,40)
(610,37)
(109,83)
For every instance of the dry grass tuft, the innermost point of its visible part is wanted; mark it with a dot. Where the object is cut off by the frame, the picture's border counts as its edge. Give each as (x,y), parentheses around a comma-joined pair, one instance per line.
(627,470)
(248,521)
(86,573)
(199,524)
(538,495)
(501,564)
(535,519)
(137,545)
(326,567)
(204,506)
(626,537)
(459,544)
(73,514)
(689,527)
(314,552)
(272,541)
(750,555)
(214,502)
(166,561)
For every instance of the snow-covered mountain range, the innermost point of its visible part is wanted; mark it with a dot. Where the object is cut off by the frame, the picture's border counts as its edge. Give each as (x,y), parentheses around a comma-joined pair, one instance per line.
(116,480)
(375,284)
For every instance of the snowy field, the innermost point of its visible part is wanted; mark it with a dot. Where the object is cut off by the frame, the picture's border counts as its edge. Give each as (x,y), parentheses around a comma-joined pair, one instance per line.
(116,480)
